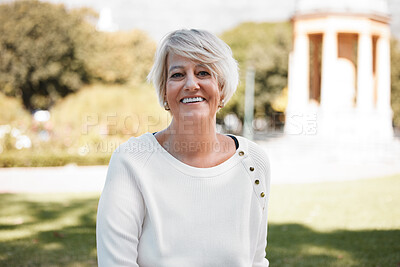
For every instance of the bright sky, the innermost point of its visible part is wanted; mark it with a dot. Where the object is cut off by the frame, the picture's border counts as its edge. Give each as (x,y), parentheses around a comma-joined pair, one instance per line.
(158,17)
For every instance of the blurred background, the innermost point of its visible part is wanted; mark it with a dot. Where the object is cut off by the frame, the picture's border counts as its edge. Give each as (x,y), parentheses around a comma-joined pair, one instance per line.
(319,91)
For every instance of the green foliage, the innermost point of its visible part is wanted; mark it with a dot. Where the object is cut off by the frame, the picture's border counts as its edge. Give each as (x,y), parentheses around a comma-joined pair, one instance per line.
(120,57)
(98,118)
(395,81)
(265,47)
(84,127)
(38,52)
(13,113)
(14,121)
(44,158)
(47,52)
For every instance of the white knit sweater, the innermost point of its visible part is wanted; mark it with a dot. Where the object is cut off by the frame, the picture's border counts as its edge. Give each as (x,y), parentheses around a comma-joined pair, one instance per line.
(158,211)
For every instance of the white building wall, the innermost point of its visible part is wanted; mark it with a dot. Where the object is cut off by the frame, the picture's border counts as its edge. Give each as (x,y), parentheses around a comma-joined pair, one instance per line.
(336,116)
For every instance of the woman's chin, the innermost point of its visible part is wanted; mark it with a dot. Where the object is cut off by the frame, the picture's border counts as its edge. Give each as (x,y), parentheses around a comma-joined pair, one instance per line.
(195,114)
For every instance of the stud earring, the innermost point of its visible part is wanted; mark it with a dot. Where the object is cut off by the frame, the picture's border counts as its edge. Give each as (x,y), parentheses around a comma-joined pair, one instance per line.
(166,107)
(221,104)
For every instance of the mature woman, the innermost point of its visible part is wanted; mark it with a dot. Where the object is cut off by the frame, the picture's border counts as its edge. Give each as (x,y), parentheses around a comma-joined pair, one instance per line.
(187,195)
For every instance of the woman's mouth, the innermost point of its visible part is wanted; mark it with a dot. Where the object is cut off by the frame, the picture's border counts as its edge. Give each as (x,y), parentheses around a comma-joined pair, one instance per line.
(188,100)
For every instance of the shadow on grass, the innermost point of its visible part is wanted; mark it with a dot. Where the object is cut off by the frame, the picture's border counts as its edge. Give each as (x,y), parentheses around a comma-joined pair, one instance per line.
(299,245)
(63,233)
(52,233)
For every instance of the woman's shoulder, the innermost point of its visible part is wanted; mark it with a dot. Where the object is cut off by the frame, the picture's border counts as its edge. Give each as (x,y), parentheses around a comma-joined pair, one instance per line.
(258,154)
(137,144)
(135,149)
(256,151)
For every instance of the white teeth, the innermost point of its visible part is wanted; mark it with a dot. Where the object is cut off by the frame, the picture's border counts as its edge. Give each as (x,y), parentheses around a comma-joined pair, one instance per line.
(192,99)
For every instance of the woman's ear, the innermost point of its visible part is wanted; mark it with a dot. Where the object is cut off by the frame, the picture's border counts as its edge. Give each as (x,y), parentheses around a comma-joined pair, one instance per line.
(221,103)
(165,103)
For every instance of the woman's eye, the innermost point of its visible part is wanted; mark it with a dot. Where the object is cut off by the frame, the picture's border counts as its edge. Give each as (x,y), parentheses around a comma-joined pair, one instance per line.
(176,75)
(203,73)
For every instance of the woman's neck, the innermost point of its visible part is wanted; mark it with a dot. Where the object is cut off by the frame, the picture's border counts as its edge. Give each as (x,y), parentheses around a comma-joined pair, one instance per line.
(191,138)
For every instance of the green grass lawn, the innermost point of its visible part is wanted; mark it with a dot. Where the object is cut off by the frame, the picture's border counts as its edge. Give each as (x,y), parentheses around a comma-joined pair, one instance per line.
(328,224)
(335,224)
(48,229)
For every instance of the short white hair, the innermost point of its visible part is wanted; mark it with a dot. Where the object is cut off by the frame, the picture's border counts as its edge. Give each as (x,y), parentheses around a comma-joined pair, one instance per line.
(202,47)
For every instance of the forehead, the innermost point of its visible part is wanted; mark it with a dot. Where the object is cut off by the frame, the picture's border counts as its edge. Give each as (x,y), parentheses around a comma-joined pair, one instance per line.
(177,61)
(174,60)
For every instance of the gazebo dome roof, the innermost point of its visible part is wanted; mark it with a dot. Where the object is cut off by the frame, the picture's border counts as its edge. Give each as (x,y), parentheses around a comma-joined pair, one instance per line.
(370,7)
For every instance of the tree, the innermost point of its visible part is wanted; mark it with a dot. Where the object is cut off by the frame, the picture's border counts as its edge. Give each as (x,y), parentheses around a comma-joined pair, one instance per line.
(39,54)
(395,81)
(265,47)
(120,57)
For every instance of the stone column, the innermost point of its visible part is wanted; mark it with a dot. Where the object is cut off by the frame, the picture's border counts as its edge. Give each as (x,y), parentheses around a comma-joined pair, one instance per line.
(383,74)
(298,82)
(298,75)
(365,89)
(329,59)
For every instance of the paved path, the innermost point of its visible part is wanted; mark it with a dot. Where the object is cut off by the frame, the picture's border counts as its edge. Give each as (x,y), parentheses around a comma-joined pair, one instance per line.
(314,160)
(69,178)
(292,161)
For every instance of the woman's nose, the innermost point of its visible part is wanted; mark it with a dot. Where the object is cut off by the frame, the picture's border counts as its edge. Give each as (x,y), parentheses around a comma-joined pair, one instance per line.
(191,83)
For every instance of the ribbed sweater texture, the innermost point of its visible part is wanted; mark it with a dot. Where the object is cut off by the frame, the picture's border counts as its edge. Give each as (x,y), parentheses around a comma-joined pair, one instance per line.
(158,211)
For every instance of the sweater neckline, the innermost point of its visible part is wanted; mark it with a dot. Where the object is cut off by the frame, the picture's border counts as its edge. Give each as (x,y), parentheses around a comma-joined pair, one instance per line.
(196,171)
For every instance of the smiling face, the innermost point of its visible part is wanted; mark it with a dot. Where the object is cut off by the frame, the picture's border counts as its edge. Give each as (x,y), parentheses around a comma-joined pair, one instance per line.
(191,91)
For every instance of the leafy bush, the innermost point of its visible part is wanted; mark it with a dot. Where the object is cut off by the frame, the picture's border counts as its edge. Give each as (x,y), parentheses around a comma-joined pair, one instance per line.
(27,158)
(98,118)
(85,127)
(265,47)
(15,121)
(12,112)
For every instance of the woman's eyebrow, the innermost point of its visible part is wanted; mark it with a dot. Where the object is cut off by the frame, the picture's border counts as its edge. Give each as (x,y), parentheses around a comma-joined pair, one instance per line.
(202,65)
(175,67)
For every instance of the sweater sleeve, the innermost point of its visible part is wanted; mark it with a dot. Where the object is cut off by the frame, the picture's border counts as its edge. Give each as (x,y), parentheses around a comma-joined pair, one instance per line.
(120,215)
(260,259)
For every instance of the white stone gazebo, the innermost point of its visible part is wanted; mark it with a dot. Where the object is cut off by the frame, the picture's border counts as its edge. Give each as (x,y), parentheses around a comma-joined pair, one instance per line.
(339,69)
